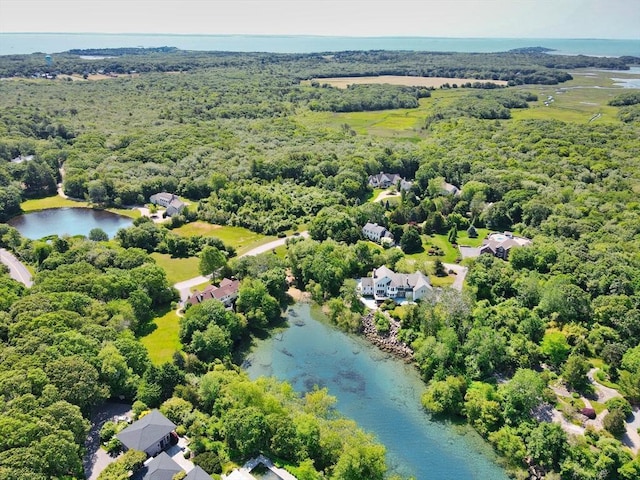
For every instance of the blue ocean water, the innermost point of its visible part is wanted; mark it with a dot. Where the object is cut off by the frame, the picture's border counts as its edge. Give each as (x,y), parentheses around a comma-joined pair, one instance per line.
(24,43)
(380,392)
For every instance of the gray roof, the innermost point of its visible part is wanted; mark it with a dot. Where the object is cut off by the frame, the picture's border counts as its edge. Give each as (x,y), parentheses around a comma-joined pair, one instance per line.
(367,282)
(146,432)
(167,197)
(198,474)
(374,227)
(162,467)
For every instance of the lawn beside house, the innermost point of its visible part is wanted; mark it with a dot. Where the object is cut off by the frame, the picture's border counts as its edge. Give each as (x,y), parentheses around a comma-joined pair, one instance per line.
(177,269)
(240,238)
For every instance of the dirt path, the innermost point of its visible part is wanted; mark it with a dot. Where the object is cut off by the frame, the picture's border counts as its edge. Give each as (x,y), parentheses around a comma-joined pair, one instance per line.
(386,194)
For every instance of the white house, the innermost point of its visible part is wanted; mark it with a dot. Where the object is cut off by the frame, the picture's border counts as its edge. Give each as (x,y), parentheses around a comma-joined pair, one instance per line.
(386,180)
(385,283)
(168,200)
(499,244)
(377,233)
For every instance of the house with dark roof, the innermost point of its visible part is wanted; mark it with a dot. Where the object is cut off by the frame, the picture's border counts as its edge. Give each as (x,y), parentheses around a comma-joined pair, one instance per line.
(377,233)
(385,283)
(226,292)
(162,467)
(198,474)
(386,180)
(150,434)
(499,244)
(171,202)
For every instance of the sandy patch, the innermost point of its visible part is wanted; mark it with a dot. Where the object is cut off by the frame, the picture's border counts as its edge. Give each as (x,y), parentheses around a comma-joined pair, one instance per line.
(435,82)
(298,295)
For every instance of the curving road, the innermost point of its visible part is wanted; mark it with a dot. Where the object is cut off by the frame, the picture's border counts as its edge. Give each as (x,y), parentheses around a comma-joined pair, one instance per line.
(461,274)
(17,270)
(185,286)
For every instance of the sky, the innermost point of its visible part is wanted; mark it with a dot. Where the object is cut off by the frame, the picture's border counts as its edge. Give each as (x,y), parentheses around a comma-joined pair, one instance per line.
(426,18)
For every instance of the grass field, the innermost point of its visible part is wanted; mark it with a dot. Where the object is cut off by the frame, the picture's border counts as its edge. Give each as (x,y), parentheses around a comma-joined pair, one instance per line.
(580,100)
(410,81)
(57,201)
(240,238)
(163,341)
(178,269)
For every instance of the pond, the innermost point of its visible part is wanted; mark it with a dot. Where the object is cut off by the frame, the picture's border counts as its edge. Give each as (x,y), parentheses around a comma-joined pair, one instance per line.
(68,221)
(381,393)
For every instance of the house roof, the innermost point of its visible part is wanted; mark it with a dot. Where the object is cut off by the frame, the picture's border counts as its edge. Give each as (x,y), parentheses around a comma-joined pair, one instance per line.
(198,474)
(147,431)
(374,228)
(167,197)
(227,287)
(367,282)
(412,280)
(162,467)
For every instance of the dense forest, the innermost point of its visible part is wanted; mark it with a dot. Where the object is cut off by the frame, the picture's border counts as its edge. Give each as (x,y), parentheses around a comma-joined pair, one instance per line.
(249,145)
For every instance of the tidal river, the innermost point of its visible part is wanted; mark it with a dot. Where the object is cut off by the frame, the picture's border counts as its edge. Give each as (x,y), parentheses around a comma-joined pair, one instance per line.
(379,392)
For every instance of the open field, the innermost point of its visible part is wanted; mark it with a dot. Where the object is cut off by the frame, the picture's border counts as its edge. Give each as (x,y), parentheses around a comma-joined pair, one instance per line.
(54,201)
(163,341)
(434,82)
(178,269)
(240,238)
(579,100)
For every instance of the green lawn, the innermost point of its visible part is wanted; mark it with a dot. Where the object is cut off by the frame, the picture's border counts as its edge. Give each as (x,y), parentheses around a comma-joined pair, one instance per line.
(57,201)
(177,269)
(54,201)
(163,341)
(463,238)
(240,238)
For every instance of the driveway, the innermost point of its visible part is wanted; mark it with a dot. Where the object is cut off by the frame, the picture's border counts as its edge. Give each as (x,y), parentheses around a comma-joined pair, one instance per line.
(461,274)
(185,286)
(96,459)
(17,270)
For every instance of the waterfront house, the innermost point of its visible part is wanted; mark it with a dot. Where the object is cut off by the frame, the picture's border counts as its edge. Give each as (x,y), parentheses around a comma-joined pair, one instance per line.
(385,283)
(150,434)
(226,292)
(171,202)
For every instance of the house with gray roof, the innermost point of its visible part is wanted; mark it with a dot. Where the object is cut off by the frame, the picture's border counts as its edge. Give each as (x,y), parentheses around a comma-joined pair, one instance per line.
(171,202)
(162,467)
(377,233)
(499,244)
(386,180)
(385,283)
(151,434)
(198,474)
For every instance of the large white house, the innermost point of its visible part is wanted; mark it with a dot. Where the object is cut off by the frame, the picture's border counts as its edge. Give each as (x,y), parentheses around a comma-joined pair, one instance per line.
(377,233)
(385,283)
(386,180)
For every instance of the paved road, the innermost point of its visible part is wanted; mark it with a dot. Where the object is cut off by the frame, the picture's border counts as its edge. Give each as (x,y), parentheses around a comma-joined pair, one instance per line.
(185,286)
(17,270)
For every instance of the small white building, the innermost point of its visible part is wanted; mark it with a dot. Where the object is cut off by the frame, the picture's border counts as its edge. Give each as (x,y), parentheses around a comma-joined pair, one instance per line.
(385,283)
(170,201)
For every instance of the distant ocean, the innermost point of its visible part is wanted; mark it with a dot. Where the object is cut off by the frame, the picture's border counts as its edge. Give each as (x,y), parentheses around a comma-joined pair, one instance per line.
(24,43)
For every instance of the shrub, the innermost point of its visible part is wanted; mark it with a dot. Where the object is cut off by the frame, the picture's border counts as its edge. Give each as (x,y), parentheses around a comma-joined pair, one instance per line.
(614,423)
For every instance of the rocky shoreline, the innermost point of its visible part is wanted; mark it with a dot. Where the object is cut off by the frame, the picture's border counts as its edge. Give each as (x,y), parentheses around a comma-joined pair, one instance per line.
(388,343)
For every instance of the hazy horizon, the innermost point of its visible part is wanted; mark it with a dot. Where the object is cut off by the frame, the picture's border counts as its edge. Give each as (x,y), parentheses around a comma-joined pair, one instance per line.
(535,19)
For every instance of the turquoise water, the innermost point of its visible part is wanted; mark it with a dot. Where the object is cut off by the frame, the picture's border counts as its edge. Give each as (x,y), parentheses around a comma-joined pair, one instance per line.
(379,392)
(68,221)
(20,43)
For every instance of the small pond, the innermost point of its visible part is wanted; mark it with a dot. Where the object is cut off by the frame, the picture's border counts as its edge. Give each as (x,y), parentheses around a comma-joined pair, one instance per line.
(68,221)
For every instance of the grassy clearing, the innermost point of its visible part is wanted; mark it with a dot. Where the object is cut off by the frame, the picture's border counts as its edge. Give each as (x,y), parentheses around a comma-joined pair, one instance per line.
(126,212)
(200,286)
(54,201)
(240,238)
(344,82)
(164,340)
(177,269)
(442,281)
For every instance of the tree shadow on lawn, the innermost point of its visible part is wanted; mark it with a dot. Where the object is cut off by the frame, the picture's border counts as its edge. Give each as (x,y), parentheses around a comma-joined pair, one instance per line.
(151,326)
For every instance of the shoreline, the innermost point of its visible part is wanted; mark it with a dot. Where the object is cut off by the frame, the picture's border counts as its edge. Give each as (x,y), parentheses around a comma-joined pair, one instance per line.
(388,343)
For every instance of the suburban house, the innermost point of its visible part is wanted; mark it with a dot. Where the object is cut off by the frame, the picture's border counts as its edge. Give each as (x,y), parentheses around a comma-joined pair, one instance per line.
(377,233)
(198,474)
(499,244)
(226,292)
(386,180)
(450,189)
(162,467)
(171,202)
(385,284)
(151,434)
